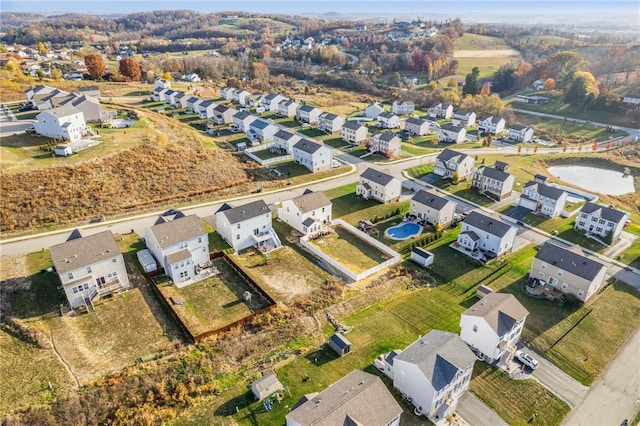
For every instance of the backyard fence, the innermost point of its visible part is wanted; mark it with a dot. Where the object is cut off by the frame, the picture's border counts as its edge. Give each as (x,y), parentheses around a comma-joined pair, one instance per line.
(249,152)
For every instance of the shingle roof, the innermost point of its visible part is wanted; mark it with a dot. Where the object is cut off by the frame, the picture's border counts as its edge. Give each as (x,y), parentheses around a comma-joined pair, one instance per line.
(385,136)
(352,125)
(376,176)
(308,221)
(207,103)
(471,235)
(546,190)
(339,340)
(415,121)
(518,127)
(267,383)
(259,124)
(329,116)
(221,108)
(451,128)
(307,146)
(493,173)
(451,155)
(241,115)
(430,199)
(178,230)
(85,251)
(63,111)
(283,134)
(462,113)
(177,256)
(307,108)
(607,213)
(499,310)
(247,211)
(570,261)
(487,224)
(310,201)
(386,115)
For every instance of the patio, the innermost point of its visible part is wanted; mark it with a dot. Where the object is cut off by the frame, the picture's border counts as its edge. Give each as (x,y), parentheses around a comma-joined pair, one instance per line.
(477,254)
(539,289)
(203,271)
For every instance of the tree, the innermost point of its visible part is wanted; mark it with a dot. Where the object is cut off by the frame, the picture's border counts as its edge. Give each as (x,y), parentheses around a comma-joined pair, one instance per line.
(95,65)
(549,85)
(608,239)
(583,84)
(41,47)
(485,89)
(130,69)
(56,74)
(259,71)
(456,177)
(452,83)
(167,76)
(471,82)
(438,227)
(503,78)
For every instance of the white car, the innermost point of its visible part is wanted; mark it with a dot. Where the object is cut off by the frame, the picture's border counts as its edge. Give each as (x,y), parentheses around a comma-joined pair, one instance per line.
(527,360)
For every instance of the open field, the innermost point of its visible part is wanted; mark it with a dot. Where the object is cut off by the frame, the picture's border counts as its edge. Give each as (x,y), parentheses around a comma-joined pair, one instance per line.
(478,42)
(463,189)
(559,131)
(419,171)
(486,64)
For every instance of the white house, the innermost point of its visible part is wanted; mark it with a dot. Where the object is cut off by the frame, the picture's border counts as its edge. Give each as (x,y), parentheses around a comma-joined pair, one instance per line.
(247,226)
(64,122)
(261,131)
(227,93)
(307,213)
(179,245)
(169,95)
(493,325)
(241,97)
(632,100)
(451,133)
(193,104)
(308,114)
(89,267)
(373,110)
(354,133)
(158,93)
(491,124)
(403,107)
(287,108)
(463,118)
(448,162)
(441,110)
(330,123)
(313,155)
(432,208)
(90,108)
(358,398)
(180,100)
(161,83)
(434,372)
(520,133)
(379,186)
(417,126)
(387,120)
(538,85)
(270,101)
(493,181)
(486,234)
(541,198)
(601,220)
(54,99)
(386,143)
(206,108)
(242,121)
(284,140)
(222,114)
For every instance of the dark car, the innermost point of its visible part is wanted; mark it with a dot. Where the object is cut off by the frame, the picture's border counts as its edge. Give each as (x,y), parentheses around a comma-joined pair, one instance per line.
(170,212)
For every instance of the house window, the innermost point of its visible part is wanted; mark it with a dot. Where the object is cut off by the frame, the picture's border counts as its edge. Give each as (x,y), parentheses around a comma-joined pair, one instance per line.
(475,328)
(199,239)
(564,286)
(581,223)
(553,281)
(238,226)
(580,293)
(89,270)
(238,237)
(543,266)
(114,260)
(85,286)
(75,290)
(599,229)
(70,275)
(559,273)
(204,249)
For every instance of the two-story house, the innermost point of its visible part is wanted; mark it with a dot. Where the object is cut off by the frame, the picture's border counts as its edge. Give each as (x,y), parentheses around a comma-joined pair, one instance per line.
(193,104)
(448,162)
(222,114)
(601,221)
(169,95)
(179,245)
(308,114)
(568,270)
(313,155)
(261,131)
(387,120)
(330,123)
(403,107)
(287,108)
(247,226)
(242,121)
(386,143)
(89,267)
(463,118)
(541,198)
(487,234)
(284,140)
(520,133)
(493,325)
(65,122)
(354,132)
(180,100)
(373,110)
(205,109)
(379,186)
(491,124)
(417,126)
(432,208)
(631,100)
(270,101)
(241,97)
(308,213)
(162,83)
(448,133)
(441,110)
(158,93)
(493,181)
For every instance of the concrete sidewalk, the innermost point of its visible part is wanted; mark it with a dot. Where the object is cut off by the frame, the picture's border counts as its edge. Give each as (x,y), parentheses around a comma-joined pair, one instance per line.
(474,412)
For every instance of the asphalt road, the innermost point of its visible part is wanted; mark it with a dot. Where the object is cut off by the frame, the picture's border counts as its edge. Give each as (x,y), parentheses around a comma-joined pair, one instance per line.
(474,412)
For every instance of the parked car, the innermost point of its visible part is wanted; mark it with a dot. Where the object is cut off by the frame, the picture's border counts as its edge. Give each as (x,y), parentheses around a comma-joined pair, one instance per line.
(527,359)
(170,212)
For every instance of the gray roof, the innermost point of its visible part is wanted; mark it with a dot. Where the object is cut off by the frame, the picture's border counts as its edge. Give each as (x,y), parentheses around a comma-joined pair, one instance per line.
(85,251)
(267,383)
(377,176)
(352,125)
(241,115)
(270,96)
(451,155)
(358,397)
(329,116)
(546,190)
(180,95)
(439,355)
(518,127)
(63,111)
(607,213)
(385,136)
(493,118)
(310,201)
(451,128)
(206,103)
(308,221)
(386,115)
(471,235)
(422,252)
(177,256)
(487,224)
(221,108)
(247,211)
(430,199)
(307,146)
(340,341)
(493,173)
(260,124)
(283,134)
(88,88)
(178,230)
(307,108)
(193,100)
(462,113)
(416,121)
(499,310)
(570,260)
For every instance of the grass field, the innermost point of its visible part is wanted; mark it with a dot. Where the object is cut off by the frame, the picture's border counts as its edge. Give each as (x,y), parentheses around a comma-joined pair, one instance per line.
(419,171)
(559,131)
(487,65)
(463,189)
(470,41)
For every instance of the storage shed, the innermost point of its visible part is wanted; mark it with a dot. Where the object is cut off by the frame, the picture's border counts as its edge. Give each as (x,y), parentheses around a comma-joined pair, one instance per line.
(147,261)
(421,256)
(62,151)
(266,386)
(339,344)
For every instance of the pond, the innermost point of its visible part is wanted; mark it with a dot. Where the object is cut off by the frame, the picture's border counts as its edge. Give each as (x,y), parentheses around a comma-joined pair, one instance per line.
(595,179)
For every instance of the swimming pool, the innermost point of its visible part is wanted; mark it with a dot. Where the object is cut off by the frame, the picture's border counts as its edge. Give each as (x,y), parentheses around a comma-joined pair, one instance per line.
(403,231)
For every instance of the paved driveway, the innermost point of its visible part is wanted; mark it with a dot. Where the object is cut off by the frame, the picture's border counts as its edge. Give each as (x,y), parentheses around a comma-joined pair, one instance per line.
(517,212)
(476,413)
(430,178)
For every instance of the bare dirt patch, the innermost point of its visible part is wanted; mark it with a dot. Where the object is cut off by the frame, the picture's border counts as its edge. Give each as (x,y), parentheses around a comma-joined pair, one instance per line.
(488,53)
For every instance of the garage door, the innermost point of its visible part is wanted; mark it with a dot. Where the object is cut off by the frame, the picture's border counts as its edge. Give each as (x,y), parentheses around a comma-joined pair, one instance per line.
(527,203)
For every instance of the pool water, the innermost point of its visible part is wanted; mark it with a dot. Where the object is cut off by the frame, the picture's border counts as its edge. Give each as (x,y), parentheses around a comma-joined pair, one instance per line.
(403,231)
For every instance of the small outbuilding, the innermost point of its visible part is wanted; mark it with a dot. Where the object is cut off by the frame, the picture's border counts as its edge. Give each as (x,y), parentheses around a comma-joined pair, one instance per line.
(62,151)
(483,291)
(339,344)
(422,257)
(178,300)
(147,261)
(266,386)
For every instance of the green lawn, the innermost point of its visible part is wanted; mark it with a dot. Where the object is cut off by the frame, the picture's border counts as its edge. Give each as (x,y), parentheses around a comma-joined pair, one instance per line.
(336,142)
(345,201)
(265,154)
(470,41)
(418,171)
(463,189)
(487,66)
(312,133)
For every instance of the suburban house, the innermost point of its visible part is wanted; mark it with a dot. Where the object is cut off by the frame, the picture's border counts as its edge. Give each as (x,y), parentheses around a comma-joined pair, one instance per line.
(330,123)
(354,132)
(494,181)
(386,143)
(157,94)
(261,131)
(448,162)
(416,126)
(38,94)
(307,213)
(247,226)
(538,85)
(241,97)
(601,220)
(491,124)
(373,110)
(493,325)
(222,114)
(193,104)
(169,95)
(308,114)
(440,110)
(179,245)
(47,100)
(161,83)
(463,118)
(227,93)
(284,140)
(313,155)
(520,133)
(90,91)
(486,234)
(242,121)
(403,107)
(434,372)
(90,108)
(64,122)
(358,398)
(287,108)
(266,386)
(567,270)
(379,186)
(432,209)
(89,267)
(541,198)
(270,101)
(180,100)
(451,133)
(387,120)
(206,109)
(631,100)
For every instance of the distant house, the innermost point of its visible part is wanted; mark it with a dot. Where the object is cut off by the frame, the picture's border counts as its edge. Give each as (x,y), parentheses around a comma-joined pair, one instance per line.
(270,101)
(493,181)
(538,85)
(261,131)
(601,220)
(193,103)
(631,100)
(451,133)
(520,133)
(379,186)
(179,245)
(569,271)
(463,118)
(541,198)
(434,372)
(354,133)
(373,110)
(169,95)
(241,97)
(284,140)
(45,99)
(242,121)
(90,91)
(64,122)
(441,110)
(385,143)
(432,208)
(227,93)
(534,100)
(287,108)
(493,325)
(416,126)
(486,233)
(448,162)
(403,107)
(266,386)
(422,256)
(180,100)
(222,114)
(89,267)
(206,109)
(161,83)
(307,213)
(358,398)
(90,108)
(247,226)
(387,120)
(308,114)
(313,155)
(339,344)
(330,123)
(491,124)
(157,94)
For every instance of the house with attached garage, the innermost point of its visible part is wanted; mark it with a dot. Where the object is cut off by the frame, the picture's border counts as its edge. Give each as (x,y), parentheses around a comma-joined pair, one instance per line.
(180,245)
(493,181)
(379,186)
(193,104)
(308,213)
(403,107)
(373,110)
(354,132)
(161,83)
(330,123)
(313,155)
(247,226)
(284,140)
(270,101)
(287,108)
(157,94)
(486,234)
(180,100)
(601,220)
(261,131)
(448,162)
(54,99)
(433,373)
(387,120)
(169,95)
(90,108)
(242,121)
(417,126)
(308,114)
(222,114)
(432,209)
(463,118)
(386,143)
(452,134)
(567,270)
(543,199)
(241,97)
(491,124)
(358,398)
(206,109)
(36,94)
(520,133)
(64,122)
(441,110)
(89,267)
(493,325)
